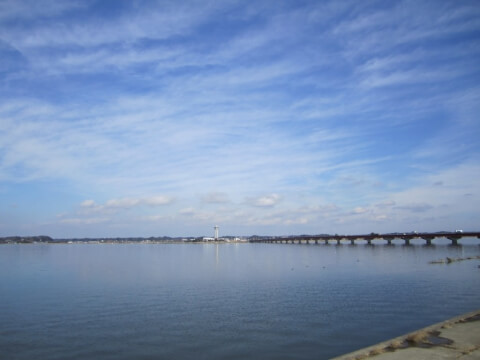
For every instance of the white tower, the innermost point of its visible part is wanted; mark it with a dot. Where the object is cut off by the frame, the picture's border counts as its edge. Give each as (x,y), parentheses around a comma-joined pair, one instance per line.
(216,232)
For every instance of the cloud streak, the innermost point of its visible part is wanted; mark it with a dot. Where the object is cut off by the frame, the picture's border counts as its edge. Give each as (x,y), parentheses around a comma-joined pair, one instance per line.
(264,201)
(88,206)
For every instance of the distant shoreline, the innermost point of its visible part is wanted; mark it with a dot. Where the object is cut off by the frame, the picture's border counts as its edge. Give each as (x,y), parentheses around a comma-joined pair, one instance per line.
(97,242)
(298,239)
(48,240)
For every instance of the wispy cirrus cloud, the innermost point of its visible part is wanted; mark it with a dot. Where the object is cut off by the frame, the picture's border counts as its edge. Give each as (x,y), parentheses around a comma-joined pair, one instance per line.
(293,117)
(113,205)
(30,9)
(156,23)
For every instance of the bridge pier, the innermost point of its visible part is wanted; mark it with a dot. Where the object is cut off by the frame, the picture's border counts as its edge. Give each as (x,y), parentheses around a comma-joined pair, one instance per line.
(454,240)
(369,241)
(352,241)
(338,241)
(428,240)
(316,242)
(407,240)
(326,241)
(389,241)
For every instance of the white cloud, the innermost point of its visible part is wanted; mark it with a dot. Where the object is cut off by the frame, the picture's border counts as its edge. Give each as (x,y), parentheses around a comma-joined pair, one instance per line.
(88,203)
(187,211)
(157,200)
(264,201)
(360,210)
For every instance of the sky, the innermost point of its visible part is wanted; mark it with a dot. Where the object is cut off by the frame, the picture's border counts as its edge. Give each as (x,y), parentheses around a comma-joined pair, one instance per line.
(165,118)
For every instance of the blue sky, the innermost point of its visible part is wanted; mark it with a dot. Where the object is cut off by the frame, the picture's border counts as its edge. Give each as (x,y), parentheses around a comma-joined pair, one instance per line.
(145,118)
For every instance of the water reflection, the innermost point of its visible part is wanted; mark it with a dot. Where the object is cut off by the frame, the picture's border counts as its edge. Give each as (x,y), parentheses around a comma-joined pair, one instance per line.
(154,301)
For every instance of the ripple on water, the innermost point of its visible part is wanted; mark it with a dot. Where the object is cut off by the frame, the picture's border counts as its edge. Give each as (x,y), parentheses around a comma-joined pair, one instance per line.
(256,301)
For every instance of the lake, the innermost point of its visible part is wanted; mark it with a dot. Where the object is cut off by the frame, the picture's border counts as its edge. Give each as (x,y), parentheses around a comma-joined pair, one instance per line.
(218,301)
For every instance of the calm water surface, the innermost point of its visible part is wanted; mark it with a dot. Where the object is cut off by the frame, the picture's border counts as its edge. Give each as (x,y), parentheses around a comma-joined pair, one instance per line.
(235,301)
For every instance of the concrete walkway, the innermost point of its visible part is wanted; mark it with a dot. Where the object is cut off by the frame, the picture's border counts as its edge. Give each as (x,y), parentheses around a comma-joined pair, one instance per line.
(457,338)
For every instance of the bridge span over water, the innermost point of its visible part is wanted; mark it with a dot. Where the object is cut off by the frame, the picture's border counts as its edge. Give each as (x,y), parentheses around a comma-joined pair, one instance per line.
(315,239)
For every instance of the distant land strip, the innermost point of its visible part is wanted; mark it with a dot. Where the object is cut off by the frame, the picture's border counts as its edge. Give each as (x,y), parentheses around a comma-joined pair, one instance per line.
(299,239)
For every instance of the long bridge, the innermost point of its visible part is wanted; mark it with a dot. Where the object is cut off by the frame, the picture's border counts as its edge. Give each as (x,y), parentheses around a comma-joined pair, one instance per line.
(309,239)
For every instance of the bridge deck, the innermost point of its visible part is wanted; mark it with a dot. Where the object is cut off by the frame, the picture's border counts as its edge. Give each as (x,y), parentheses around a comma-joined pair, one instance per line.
(428,237)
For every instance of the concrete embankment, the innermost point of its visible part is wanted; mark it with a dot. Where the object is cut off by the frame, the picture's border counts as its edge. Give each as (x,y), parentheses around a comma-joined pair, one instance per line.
(457,338)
